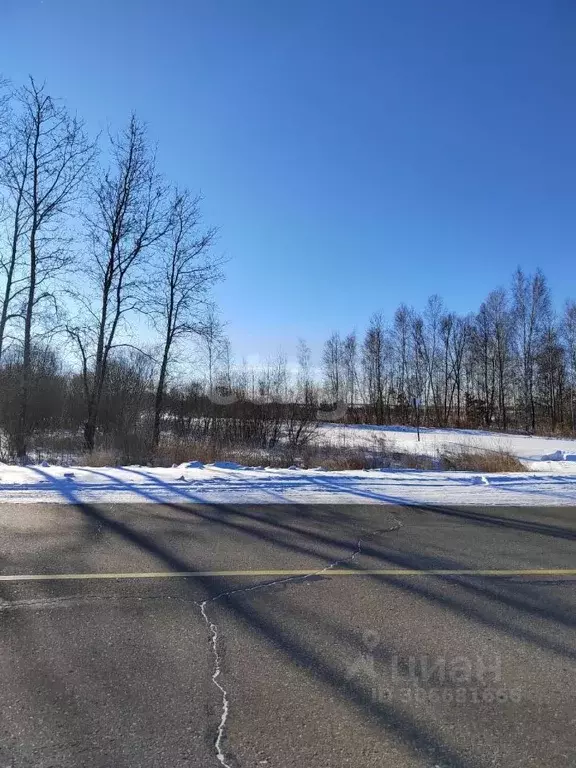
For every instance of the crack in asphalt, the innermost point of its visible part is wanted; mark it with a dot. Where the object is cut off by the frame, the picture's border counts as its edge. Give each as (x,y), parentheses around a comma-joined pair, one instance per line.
(214,634)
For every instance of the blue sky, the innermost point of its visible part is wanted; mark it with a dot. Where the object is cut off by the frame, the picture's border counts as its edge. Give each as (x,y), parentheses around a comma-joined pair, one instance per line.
(353,154)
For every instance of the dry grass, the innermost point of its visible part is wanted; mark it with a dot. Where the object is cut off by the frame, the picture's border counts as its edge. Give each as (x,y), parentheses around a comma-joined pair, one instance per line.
(473,459)
(100,458)
(335,459)
(326,456)
(380,454)
(414,461)
(208,451)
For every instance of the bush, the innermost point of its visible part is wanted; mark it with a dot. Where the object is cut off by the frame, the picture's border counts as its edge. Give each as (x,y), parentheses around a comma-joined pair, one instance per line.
(101,458)
(472,459)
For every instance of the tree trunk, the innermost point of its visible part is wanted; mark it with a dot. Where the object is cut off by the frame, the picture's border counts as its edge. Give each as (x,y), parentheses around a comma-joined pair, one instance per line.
(16,233)
(532,408)
(159,400)
(89,432)
(23,426)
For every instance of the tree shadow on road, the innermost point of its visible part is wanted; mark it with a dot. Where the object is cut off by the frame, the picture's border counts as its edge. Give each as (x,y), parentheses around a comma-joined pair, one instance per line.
(300,539)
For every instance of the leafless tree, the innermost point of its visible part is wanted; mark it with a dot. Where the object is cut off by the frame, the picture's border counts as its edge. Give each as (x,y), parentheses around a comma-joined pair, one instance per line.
(224,366)
(460,339)
(374,353)
(485,354)
(6,95)
(178,299)
(210,344)
(332,366)
(14,178)
(125,414)
(273,381)
(531,312)
(127,220)
(349,355)
(48,160)
(401,346)
(551,373)
(501,329)
(305,383)
(431,348)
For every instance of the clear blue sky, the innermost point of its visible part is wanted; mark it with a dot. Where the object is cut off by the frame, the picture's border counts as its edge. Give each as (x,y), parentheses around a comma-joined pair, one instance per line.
(354,154)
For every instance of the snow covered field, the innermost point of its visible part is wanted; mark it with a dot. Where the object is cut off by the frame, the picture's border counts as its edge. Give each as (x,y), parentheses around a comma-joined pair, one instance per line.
(551,479)
(538,453)
(226,483)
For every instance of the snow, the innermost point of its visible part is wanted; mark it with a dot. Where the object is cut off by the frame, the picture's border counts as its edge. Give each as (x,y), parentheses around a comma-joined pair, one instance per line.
(550,480)
(560,456)
(535,452)
(214,485)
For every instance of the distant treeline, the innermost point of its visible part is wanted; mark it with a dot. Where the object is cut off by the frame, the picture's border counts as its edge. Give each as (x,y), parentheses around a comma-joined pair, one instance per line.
(510,365)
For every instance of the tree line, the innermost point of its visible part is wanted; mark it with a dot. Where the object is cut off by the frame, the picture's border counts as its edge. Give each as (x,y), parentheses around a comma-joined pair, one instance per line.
(510,365)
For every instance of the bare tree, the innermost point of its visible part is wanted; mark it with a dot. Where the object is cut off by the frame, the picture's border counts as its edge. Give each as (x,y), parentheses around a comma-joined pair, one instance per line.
(447,324)
(332,365)
(210,344)
(374,353)
(49,157)
(5,111)
(551,373)
(225,363)
(500,329)
(531,312)
(178,298)
(128,219)
(305,384)
(401,350)
(431,337)
(349,355)
(460,339)
(125,413)
(485,354)
(14,179)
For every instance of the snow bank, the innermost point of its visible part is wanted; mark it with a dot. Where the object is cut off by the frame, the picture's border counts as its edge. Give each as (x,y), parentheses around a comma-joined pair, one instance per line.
(559,456)
(211,485)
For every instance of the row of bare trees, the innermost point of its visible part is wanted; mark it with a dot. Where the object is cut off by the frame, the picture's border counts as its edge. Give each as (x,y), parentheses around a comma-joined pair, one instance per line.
(511,365)
(91,249)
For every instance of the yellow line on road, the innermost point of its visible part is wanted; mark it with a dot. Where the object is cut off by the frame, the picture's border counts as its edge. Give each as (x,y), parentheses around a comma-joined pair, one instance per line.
(557,572)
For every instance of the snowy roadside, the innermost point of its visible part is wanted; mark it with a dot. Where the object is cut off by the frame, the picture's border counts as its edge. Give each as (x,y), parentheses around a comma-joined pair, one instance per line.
(226,483)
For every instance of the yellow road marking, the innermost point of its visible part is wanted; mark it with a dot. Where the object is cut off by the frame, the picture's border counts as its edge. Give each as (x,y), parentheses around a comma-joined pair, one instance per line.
(558,572)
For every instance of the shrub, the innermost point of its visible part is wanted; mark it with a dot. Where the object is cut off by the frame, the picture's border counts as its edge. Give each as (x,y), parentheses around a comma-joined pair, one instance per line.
(473,459)
(101,458)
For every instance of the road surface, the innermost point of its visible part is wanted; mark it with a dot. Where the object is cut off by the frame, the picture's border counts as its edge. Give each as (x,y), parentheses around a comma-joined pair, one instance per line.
(274,651)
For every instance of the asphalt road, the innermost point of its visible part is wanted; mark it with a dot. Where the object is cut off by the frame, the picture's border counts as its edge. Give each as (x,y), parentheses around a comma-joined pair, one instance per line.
(323,670)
